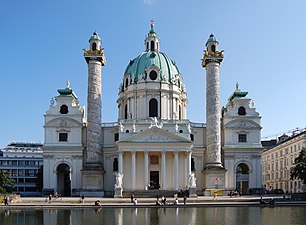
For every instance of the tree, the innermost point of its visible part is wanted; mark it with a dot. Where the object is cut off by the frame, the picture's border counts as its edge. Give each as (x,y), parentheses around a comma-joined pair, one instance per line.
(299,169)
(6,183)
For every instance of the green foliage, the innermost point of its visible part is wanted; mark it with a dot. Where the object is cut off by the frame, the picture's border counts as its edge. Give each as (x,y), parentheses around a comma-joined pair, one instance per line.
(299,169)
(6,183)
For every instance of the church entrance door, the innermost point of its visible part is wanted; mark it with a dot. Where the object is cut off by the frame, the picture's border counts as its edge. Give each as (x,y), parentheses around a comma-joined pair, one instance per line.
(63,179)
(242,178)
(154,180)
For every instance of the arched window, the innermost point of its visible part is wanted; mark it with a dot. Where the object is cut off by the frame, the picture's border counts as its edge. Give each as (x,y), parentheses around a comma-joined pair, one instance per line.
(147,45)
(213,48)
(115,165)
(192,165)
(241,111)
(153,108)
(64,109)
(126,82)
(152,45)
(125,112)
(94,46)
(180,113)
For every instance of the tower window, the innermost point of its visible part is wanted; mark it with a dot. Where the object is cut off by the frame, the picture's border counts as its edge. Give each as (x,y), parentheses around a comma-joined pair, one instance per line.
(94,46)
(180,113)
(242,138)
(153,107)
(63,137)
(241,111)
(153,75)
(64,109)
(116,136)
(213,48)
(147,45)
(192,165)
(152,45)
(191,137)
(125,112)
(115,165)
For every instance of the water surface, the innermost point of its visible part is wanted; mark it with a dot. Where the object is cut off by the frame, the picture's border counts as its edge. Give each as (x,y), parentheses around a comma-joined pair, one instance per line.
(157,216)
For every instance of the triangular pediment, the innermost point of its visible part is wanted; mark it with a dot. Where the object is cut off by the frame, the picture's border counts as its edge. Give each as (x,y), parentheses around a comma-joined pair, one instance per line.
(155,135)
(242,124)
(63,122)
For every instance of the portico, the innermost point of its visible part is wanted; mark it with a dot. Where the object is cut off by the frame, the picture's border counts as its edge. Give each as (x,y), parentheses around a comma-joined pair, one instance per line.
(154,159)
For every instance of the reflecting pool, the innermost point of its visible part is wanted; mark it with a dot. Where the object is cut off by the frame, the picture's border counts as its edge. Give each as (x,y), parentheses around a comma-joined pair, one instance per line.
(157,216)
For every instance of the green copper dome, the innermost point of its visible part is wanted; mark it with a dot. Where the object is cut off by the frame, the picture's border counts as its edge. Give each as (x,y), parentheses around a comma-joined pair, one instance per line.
(211,39)
(95,36)
(137,67)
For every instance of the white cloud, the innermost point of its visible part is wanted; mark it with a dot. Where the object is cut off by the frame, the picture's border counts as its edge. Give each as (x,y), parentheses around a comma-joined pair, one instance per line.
(149,2)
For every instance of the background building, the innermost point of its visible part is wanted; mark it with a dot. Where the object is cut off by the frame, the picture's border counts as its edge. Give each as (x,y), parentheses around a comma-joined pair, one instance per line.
(278,159)
(153,145)
(24,162)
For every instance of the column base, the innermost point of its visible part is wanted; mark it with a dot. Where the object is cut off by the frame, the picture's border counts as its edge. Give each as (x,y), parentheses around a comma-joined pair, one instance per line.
(92,182)
(214,178)
(118,192)
(193,192)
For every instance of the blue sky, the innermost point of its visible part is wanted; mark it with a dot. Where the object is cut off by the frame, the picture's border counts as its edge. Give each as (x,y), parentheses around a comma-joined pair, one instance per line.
(41,47)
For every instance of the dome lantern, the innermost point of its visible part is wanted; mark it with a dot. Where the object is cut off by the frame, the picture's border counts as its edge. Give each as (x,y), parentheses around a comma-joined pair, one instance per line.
(152,42)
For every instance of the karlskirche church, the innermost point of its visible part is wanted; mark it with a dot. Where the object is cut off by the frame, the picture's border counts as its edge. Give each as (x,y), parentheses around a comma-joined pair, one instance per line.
(153,147)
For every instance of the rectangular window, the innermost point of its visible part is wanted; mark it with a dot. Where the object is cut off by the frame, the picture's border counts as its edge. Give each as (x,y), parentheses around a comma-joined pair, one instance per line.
(63,136)
(116,136)
(242,138)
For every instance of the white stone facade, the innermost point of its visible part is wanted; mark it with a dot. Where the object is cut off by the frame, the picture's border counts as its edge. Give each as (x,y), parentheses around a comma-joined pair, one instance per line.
(153,145)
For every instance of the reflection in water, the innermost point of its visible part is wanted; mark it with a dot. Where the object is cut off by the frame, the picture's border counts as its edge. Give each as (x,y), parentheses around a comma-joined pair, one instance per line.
(157,216)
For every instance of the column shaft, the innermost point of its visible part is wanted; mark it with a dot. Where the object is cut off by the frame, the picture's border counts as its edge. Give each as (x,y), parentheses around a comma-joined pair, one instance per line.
(146,169)
(133,170)
(176,172)
(163,170)
(120,168)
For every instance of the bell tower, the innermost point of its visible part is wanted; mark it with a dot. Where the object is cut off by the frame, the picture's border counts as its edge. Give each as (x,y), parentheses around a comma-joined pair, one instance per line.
(214,173)
(93,171)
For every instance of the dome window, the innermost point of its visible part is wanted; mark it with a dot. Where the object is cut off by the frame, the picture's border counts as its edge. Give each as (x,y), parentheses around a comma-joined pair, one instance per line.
(153,75)
(241,111)
(153,108)
(126,82)
(64,109)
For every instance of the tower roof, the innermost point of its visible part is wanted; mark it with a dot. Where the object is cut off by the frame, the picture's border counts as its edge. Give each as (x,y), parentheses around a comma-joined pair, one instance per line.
(67,91)
(211,39)
(95,36)
(238,93)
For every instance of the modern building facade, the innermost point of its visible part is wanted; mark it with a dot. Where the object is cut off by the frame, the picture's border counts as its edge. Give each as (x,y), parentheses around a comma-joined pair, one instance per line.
(23,162)
(153,144)
(278,159)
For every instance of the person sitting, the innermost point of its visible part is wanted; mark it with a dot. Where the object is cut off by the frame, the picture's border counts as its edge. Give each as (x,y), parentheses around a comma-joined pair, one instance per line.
(175,202)
(135,201)
(97,203)
(272,202)
(261,201)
